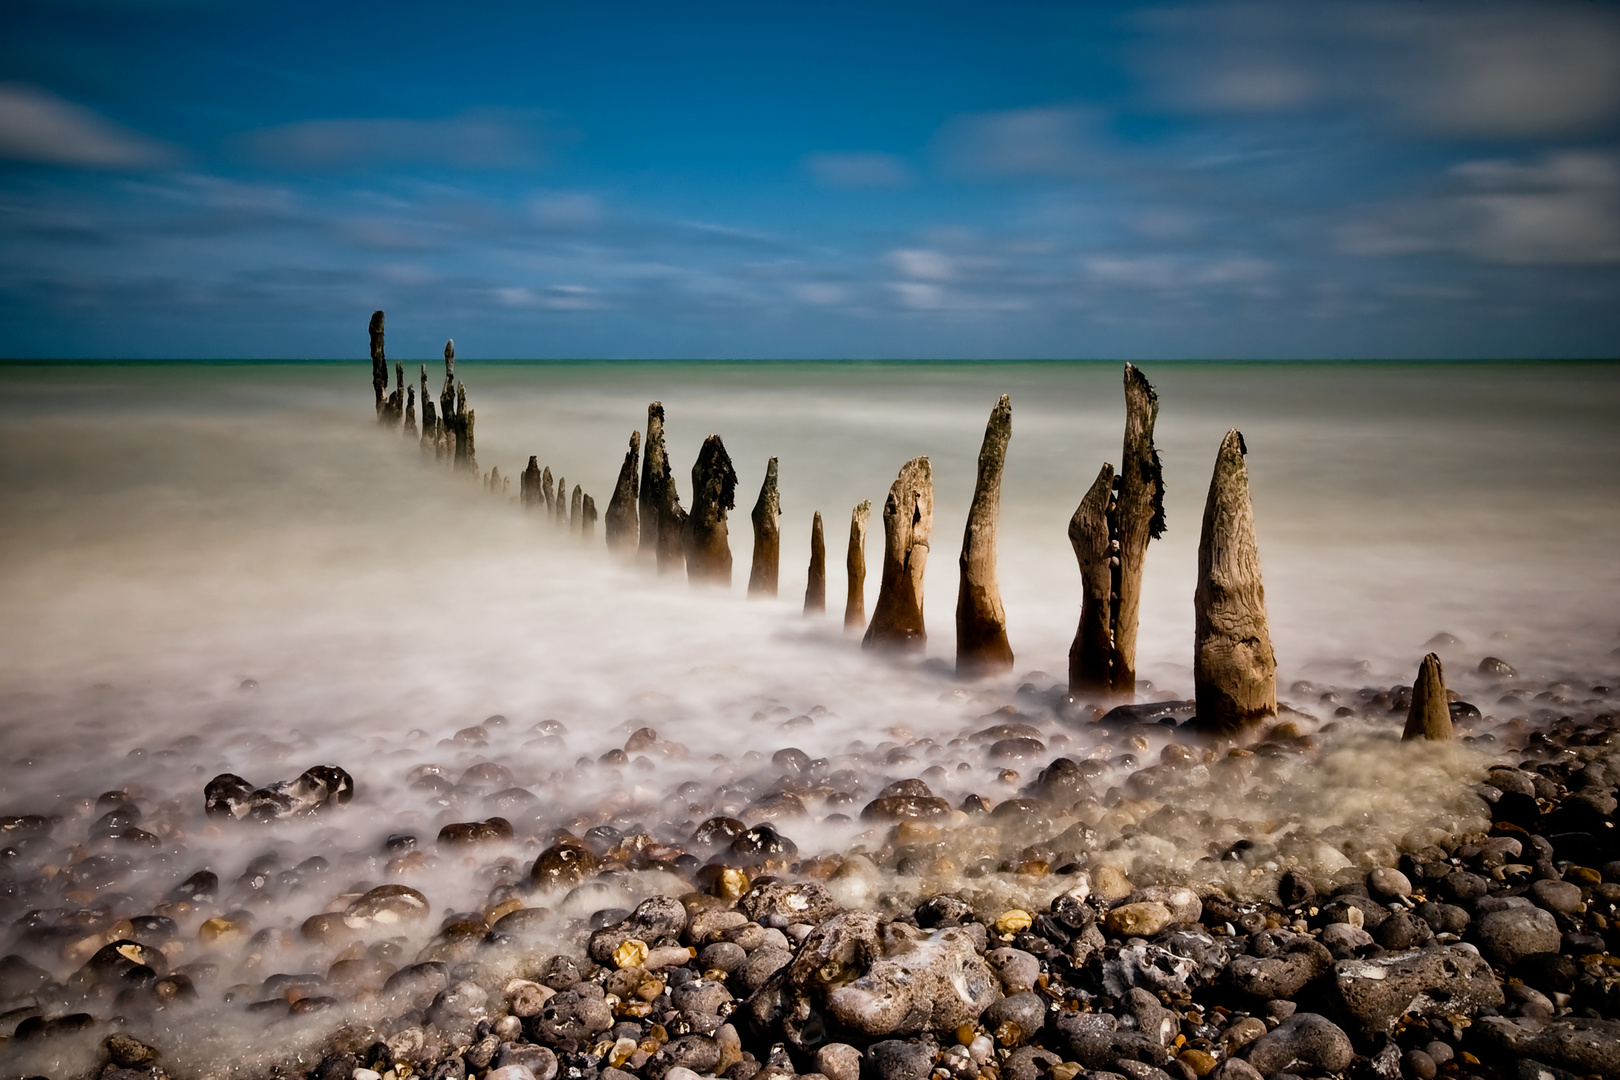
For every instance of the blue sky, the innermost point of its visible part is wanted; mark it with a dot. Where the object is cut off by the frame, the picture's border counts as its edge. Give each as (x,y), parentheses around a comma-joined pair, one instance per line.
(247,179)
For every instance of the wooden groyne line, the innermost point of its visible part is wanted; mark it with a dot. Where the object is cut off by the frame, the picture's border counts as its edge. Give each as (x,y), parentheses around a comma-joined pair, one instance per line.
(1234,666)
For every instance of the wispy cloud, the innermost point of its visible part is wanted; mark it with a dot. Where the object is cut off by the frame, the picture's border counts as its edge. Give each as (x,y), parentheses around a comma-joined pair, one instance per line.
(1046,141)
(38,126)
(859,170)
(1562,209)
(475,139)
(1457,69)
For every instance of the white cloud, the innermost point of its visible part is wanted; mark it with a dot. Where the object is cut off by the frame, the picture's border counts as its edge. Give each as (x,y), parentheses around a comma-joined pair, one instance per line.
(1561,210)
(919,296)
(859,170)
(38,126)
(480,139)
(1172,273)
(923,264)
(550,298)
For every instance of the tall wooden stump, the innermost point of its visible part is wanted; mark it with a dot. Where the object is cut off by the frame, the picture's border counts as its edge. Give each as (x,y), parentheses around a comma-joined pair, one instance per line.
(815,589)
(622,524)
(654,468)
(430,420)
(981,621)
(908,520)
(546,491)
(1140,518)
(766,516)
(576,510)
(379,361)
(1430,714)
(1234,668)
(587,527)
(855,568)
(714,491)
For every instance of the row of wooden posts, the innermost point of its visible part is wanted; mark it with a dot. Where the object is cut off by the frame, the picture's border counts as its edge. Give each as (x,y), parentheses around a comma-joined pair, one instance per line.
(1234,667)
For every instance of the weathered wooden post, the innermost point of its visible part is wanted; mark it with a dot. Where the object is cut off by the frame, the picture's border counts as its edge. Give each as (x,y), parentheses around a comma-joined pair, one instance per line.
(576,511)
(622,523)
(430,422)
(559,513)
(1091,657)
(766,516)
(908,520)
(545,490)
(1234,668)
(1140,518)
(529,494)
(1430,714)
(714,491)
(654,468)
(855,568)
(410,412)
(587,527)
(815,589)
(379,361)
(981,621)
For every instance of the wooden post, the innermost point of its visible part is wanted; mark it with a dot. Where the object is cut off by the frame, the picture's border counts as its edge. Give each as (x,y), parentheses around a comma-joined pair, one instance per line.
(855,568)
(1234,668)
(622,523)
(815,589)
(1430,714)
(379,361)
(981,621)
(714,491)
(767,515)
(1091,655)
(908,520)
(1140,519)
(654,468)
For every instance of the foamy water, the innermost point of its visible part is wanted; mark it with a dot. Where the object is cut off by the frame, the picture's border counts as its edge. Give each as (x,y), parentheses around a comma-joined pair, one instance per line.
(172,532)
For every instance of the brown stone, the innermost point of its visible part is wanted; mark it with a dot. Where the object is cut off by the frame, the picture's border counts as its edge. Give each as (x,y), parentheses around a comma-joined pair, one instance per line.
(1430,714)
(622,523)
(855,566)
(1234,668)
(815,589)
(714,491)
(766,516)
(908,520)
(981,621)
(1091,655)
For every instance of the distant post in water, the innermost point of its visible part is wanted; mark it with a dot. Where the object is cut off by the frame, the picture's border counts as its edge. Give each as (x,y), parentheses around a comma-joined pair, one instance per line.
(545,490)
(815,589)
(1091,656)
(430,422)
(714,491)
(1430,715)
(767,515)
(587,527)
(855,568)
(981,621)
(576,510)
(654,468)
(1234,668)
(908,520)
(379,361)
(559,510)
(622,521)
(410,412)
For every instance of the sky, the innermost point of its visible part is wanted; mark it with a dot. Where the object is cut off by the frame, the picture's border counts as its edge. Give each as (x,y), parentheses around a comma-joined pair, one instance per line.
(1417,179)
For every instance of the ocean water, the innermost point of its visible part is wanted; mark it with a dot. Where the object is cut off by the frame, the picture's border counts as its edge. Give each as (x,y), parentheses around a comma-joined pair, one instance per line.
(172,531)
